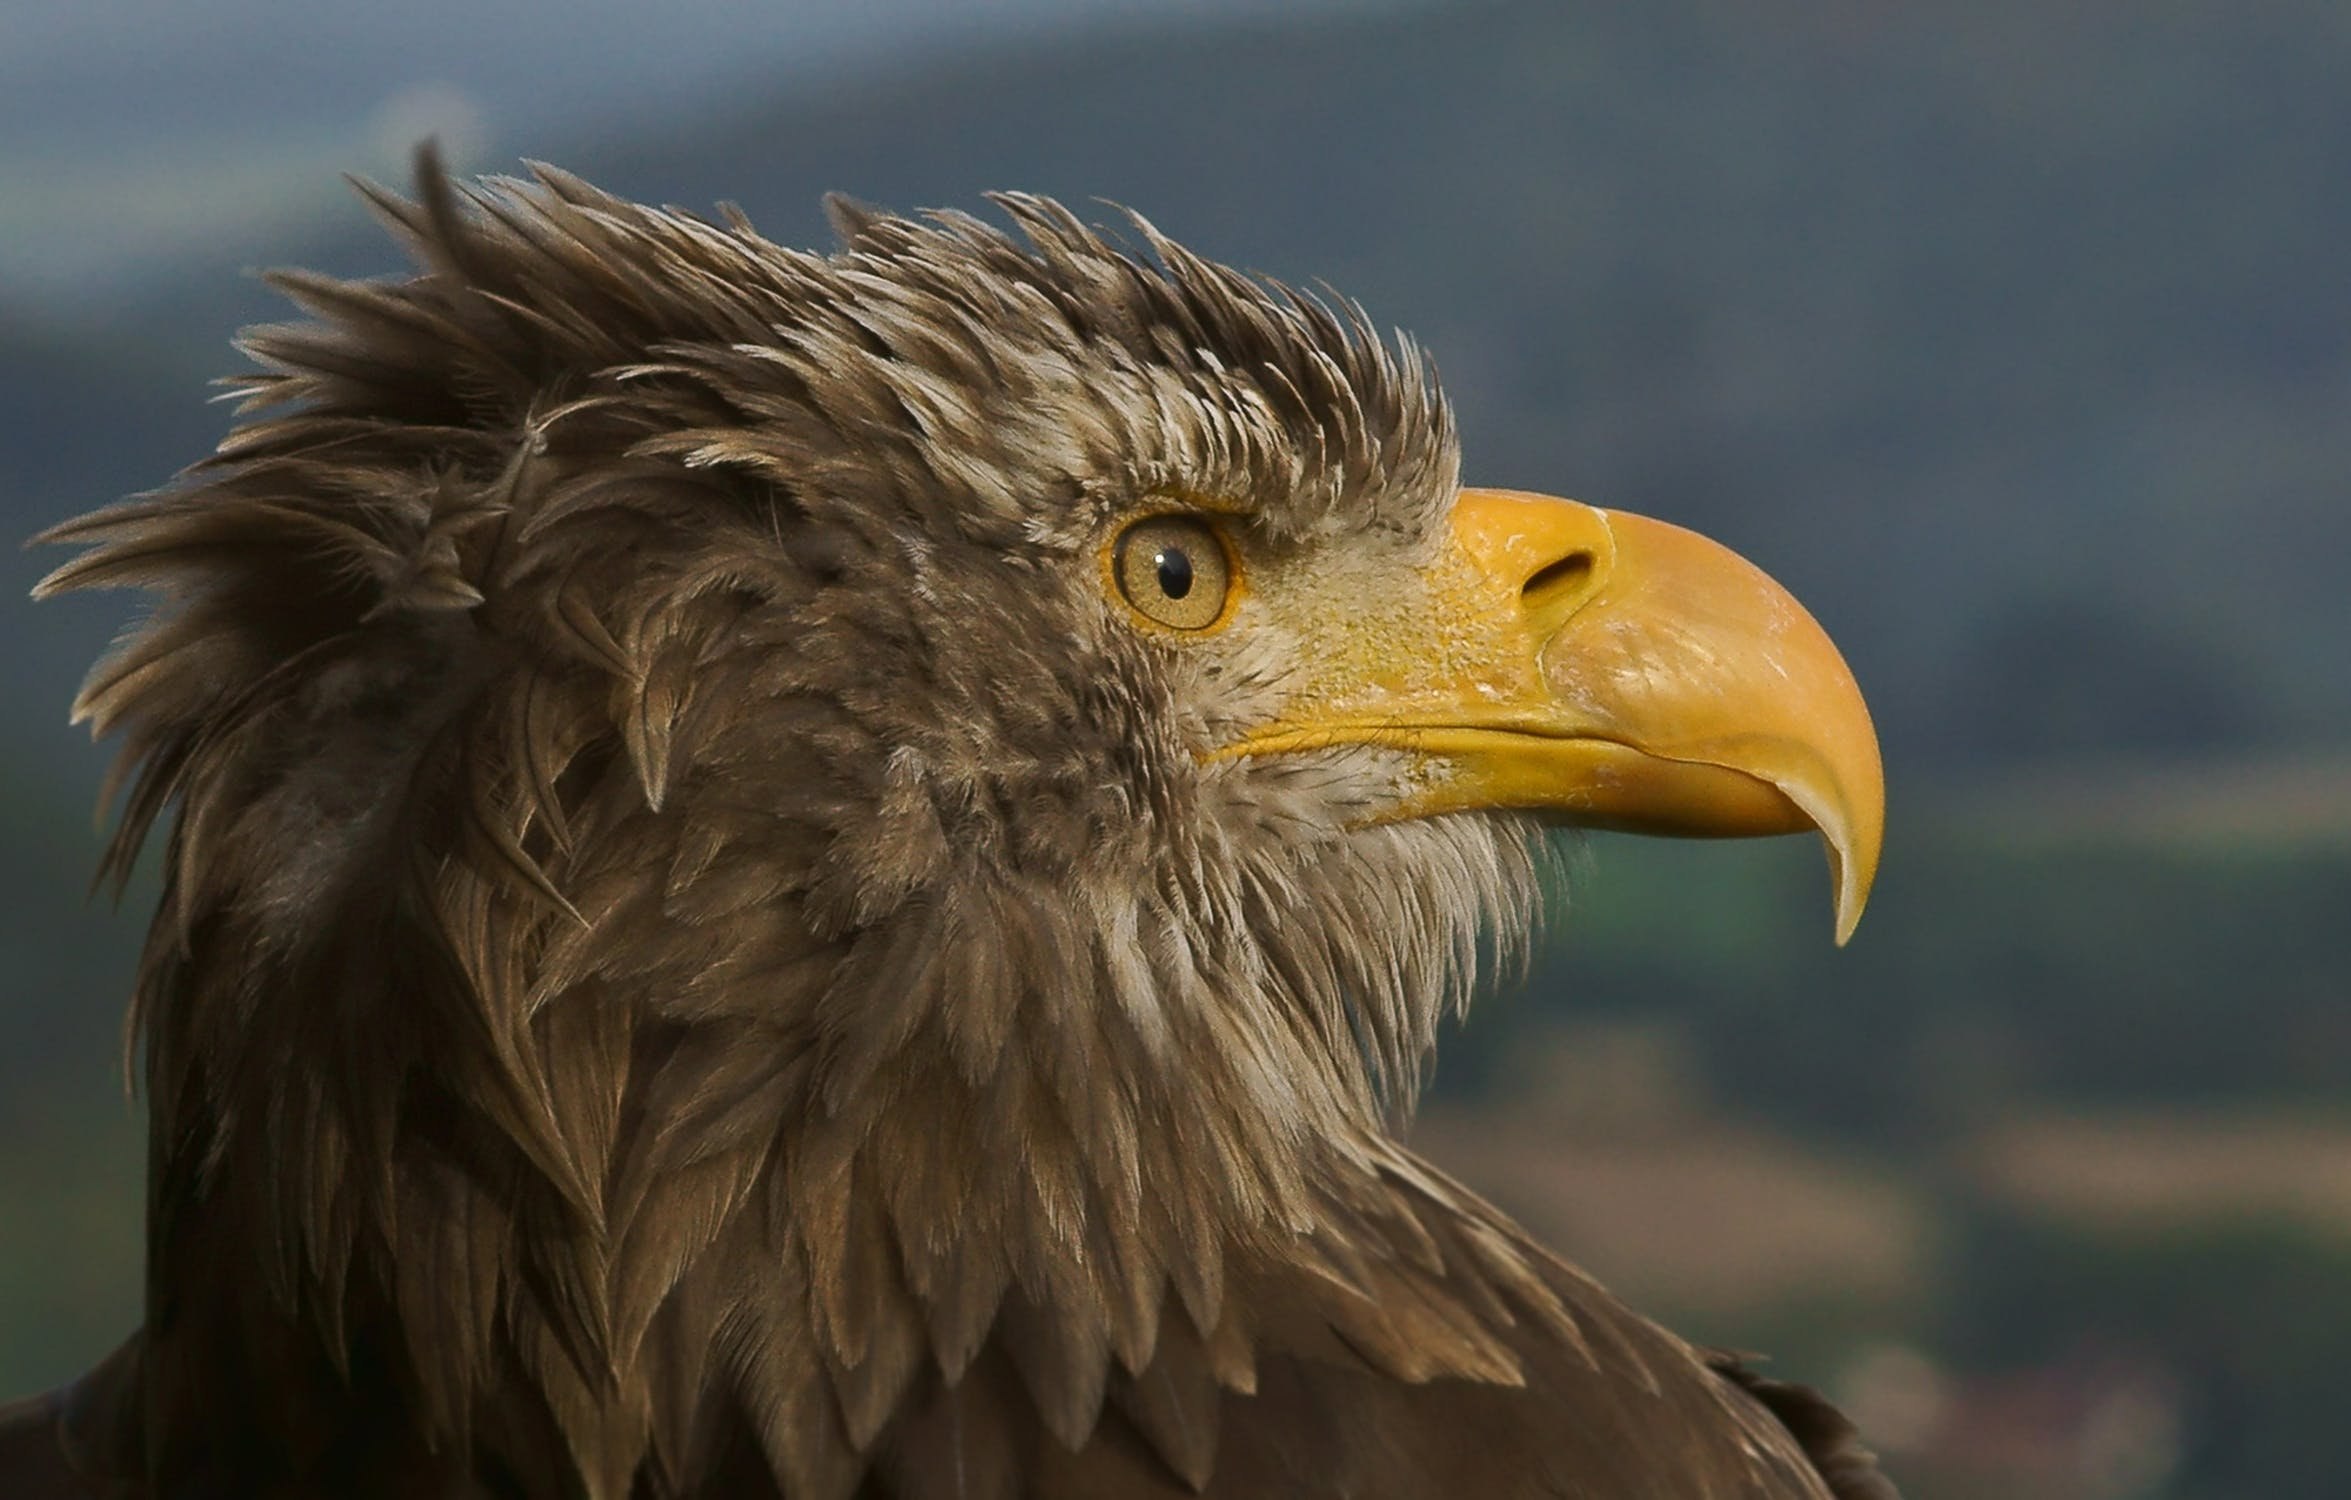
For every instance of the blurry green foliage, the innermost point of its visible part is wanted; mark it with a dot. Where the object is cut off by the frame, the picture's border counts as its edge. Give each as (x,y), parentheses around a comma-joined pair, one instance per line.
(2252,1319)
(1989,967)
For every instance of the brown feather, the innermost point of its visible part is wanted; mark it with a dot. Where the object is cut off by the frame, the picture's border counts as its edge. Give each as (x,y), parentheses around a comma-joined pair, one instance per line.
(699,956)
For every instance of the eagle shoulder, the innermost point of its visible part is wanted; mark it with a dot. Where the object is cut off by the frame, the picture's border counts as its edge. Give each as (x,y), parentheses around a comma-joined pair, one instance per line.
(77,1442)
(1429,1346)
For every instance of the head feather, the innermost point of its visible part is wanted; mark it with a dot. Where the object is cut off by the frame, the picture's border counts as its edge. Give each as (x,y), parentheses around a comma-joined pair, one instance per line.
(671,886)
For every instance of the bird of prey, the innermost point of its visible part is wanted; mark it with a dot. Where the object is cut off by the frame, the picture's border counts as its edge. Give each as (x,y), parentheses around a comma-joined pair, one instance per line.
(819,875)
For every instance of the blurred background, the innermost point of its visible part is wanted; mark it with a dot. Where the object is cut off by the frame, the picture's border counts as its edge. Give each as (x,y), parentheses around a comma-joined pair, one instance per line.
(2014,336)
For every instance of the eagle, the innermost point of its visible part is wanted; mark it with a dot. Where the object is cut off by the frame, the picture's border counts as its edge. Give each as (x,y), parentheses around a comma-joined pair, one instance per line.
(825,875)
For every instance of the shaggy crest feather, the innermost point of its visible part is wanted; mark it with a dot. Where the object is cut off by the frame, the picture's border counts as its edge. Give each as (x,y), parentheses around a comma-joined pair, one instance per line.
(695,959)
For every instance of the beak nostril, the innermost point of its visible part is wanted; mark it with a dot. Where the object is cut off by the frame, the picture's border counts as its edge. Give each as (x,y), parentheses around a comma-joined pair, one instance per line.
(1557,584)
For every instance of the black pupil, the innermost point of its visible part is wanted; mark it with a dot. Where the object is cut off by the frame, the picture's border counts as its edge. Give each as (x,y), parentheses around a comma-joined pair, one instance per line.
(1175,572)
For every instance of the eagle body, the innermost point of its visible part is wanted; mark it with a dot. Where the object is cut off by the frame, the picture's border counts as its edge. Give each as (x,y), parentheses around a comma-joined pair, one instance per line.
(816,875)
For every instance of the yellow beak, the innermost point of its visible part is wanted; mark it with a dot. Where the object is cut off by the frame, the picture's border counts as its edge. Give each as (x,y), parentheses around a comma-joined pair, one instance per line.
(1614,672)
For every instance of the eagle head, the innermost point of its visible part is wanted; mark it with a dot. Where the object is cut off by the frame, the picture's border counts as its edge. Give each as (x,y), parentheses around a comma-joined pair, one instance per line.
(959,773)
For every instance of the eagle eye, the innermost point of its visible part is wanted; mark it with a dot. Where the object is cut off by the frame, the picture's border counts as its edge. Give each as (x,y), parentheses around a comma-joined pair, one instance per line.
(1173,571)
